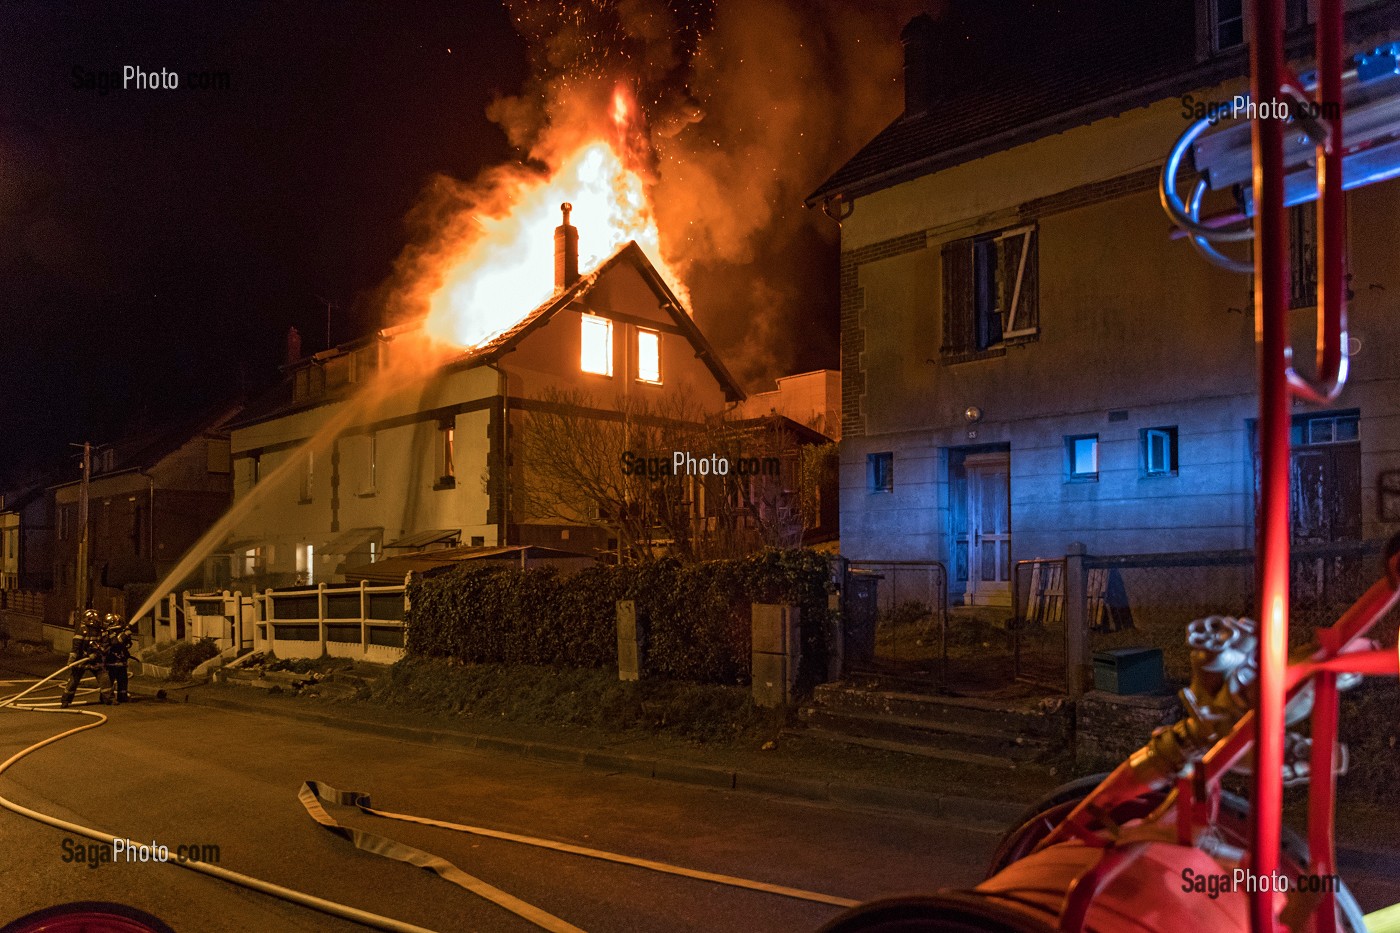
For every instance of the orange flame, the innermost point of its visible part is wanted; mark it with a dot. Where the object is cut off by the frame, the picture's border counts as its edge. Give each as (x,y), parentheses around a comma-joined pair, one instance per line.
(621,109)
(508,269)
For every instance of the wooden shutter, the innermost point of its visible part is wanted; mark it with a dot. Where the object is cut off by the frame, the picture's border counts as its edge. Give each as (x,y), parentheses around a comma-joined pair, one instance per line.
(959,324)
(1020,304)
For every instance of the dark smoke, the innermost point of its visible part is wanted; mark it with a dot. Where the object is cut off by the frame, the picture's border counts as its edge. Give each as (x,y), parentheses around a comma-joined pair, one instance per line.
(789,89)
(749,105)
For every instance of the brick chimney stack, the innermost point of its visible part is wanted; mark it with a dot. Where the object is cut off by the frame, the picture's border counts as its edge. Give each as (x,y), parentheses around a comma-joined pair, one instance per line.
(918,37)
(565,251)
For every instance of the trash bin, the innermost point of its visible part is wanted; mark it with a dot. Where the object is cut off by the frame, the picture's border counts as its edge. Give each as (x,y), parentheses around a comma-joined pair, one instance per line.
(1128,670)
(859,612)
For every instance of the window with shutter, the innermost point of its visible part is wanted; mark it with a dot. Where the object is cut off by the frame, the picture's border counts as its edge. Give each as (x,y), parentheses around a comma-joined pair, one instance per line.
(990,292)
(958,333)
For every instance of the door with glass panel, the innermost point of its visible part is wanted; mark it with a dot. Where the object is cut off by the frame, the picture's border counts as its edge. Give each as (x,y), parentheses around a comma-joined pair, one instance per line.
(989,529)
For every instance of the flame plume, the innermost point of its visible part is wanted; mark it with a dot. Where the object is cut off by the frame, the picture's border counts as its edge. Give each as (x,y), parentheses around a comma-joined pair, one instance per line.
(506,268)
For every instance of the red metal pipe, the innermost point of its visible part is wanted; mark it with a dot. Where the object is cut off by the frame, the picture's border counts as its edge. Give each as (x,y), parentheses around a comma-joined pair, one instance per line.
(1331,219)
(1125,783)
(1322,794)
(1268,71)
(1379,662)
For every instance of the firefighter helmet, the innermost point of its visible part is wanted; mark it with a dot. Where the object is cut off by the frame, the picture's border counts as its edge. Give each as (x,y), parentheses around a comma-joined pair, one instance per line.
(90,624)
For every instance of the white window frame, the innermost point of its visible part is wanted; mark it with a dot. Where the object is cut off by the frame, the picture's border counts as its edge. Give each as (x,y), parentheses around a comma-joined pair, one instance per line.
(1164,468)
(447,452)
(306,562)
(1072,471)
(1008,315)
(369,484)
(656,336)
(605,326)
(308,478)
(252,561)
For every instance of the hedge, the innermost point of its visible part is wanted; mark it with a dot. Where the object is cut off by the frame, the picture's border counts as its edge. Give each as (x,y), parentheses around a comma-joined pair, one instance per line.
(695,616)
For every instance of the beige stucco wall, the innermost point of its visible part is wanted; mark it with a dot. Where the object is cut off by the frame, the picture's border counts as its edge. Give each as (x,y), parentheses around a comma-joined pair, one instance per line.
(407,496)
(1130,322)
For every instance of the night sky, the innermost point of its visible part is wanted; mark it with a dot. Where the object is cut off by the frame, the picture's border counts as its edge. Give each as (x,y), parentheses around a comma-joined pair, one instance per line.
(155,246)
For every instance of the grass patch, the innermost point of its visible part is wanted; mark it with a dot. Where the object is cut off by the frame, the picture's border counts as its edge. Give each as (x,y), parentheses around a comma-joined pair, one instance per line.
(574,697)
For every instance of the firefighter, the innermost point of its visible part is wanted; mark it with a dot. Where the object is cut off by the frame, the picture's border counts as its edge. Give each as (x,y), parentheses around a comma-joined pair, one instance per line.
(117,653)
(90,650)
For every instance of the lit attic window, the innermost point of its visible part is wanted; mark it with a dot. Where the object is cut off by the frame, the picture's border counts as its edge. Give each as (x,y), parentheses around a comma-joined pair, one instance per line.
(597,345)
(648,356)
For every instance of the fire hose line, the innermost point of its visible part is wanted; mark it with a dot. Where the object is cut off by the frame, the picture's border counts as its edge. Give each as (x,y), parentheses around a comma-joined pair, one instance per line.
(311,795)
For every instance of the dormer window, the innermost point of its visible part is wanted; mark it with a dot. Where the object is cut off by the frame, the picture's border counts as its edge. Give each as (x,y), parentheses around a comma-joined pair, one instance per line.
(649,356)
(1227,23)
(596,339)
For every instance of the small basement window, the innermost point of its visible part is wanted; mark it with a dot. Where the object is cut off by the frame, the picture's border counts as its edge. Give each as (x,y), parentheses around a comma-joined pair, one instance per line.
(1082,457)
(596,341)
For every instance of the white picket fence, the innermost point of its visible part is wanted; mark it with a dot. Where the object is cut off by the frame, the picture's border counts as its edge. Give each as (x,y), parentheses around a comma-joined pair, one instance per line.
(356,621)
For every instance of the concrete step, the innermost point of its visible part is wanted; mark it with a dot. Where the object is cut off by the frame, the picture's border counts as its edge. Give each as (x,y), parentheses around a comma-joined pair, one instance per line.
(957,737)
(1044,720)
(907,748)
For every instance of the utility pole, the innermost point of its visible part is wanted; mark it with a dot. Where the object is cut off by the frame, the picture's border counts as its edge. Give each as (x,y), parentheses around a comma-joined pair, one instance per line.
(331,305)
(83,528)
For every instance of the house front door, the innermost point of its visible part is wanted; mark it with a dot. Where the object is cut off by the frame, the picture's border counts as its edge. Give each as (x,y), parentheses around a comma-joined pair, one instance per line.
(989,529)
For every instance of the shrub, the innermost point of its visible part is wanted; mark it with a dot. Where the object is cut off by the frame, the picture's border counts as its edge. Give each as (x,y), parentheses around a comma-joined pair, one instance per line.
(695,616)
(189,655)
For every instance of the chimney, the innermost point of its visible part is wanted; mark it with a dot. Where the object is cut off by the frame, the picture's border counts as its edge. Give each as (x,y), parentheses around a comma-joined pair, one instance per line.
(918,39)
(565,251)
(293,346)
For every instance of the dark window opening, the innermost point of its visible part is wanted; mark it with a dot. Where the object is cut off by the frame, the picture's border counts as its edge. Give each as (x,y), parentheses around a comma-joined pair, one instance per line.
(881,470)
(990,291)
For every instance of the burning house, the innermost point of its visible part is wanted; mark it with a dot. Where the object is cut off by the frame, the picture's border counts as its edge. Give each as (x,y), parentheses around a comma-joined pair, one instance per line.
(422,447)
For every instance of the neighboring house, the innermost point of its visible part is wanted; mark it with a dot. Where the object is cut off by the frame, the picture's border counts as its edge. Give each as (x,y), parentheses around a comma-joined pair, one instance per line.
(812,399)
(435,465)
(26,559)
(1027,359)
(795,502)
(26,538)
(150,498)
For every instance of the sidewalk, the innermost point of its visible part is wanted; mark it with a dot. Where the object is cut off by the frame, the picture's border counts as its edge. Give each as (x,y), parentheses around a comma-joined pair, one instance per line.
(799,769)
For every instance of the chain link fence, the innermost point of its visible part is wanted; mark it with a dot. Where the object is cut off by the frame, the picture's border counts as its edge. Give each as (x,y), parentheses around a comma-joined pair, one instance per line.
(911,624)
(1148,600)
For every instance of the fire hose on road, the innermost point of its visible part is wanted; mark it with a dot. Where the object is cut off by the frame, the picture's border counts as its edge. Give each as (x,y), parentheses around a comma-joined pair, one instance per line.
(313,793)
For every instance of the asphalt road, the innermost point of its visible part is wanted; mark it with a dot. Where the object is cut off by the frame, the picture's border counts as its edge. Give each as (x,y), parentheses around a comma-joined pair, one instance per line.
(196,775)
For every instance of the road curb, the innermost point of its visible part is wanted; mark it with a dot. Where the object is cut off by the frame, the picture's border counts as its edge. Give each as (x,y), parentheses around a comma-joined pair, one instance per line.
(954,808)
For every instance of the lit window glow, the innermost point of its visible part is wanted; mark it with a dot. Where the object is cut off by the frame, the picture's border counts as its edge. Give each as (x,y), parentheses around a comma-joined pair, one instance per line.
(597,345)
(1082,452)
(648,356)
